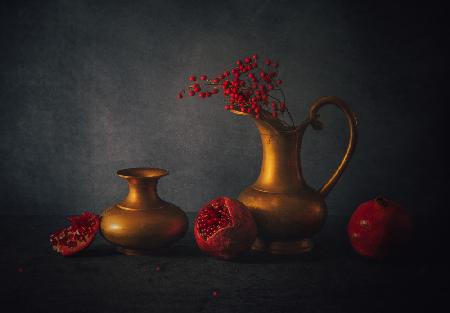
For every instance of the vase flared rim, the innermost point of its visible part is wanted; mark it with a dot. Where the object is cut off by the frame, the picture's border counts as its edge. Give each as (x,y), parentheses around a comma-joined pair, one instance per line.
(142,172)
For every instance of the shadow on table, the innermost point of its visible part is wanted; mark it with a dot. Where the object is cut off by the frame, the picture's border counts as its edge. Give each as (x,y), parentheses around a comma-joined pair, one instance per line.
(180,250)
(325,249)
(319,255)
(95,252)
(187,248)
(316,255)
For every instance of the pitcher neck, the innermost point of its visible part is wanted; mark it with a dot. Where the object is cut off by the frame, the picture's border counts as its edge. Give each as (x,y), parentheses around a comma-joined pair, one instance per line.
(280,168)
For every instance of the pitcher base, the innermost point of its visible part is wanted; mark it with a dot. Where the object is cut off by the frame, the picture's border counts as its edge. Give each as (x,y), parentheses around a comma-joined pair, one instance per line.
(283,247)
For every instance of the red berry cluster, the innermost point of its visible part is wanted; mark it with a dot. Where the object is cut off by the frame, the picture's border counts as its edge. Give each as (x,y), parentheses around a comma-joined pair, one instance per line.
(248,87)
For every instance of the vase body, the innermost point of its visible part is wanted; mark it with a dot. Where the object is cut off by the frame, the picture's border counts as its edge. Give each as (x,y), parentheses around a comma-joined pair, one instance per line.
(288,212)
(143,223)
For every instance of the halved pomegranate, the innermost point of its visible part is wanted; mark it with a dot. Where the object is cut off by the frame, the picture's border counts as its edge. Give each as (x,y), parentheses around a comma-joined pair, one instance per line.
(78,236)
(224,228)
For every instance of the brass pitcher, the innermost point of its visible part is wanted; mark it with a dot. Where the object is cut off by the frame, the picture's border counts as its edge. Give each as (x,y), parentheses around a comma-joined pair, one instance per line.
(142,222)
(287,211)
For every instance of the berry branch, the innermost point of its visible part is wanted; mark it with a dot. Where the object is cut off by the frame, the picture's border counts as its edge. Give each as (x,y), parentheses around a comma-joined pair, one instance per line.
(246,88)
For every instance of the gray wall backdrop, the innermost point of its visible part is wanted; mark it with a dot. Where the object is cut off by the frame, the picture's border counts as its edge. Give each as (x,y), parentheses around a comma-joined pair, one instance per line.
(89,87)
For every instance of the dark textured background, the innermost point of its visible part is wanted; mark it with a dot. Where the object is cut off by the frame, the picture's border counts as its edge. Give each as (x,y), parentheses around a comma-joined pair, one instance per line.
(89,87)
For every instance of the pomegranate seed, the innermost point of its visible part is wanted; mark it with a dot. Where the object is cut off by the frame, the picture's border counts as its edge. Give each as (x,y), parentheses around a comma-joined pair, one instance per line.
(157,268)
(203,77)
(192,78)
(255,56)
(267,62)
(247,60)
(215,293)
(180,96)
(279,82)
(191,93)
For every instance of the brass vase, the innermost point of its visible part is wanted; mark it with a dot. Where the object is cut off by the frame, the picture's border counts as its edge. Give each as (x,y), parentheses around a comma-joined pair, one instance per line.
(287,211)
(142,222)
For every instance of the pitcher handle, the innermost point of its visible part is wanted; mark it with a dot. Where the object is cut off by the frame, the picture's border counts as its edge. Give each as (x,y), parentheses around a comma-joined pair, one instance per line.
(352,125)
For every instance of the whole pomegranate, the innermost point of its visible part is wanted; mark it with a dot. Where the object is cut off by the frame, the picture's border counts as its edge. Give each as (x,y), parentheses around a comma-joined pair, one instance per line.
(378,228)
(78,236)
(224,228)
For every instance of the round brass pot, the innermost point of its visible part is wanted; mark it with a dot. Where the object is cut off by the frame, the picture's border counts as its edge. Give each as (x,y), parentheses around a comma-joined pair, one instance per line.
(142,222)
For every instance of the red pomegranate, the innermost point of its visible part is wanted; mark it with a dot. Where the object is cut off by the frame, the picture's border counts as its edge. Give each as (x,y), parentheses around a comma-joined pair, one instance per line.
(378,228)
(78,236)
(224,228)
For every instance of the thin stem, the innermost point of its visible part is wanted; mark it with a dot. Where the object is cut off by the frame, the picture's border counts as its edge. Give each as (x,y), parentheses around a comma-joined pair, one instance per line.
(287,110)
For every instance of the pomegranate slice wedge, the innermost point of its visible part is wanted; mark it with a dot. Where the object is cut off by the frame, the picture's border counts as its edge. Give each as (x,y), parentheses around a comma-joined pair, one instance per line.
(76,237)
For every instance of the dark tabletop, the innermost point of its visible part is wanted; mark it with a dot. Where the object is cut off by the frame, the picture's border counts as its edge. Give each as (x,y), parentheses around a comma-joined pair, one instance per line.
(331,278)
